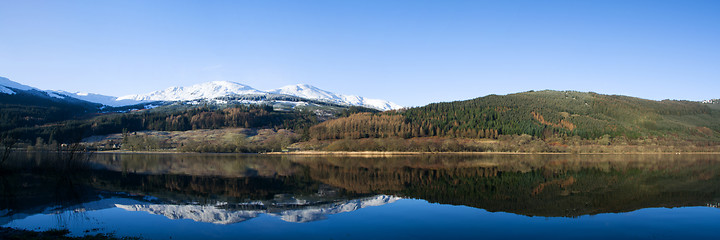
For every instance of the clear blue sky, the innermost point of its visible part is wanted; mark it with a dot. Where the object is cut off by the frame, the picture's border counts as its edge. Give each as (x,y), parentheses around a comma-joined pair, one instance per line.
(409,52)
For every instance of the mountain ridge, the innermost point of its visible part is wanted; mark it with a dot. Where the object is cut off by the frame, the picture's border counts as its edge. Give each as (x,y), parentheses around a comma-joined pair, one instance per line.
(217,89)
(207,91)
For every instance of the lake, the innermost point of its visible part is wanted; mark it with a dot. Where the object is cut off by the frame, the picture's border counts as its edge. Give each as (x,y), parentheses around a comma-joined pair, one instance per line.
(248,196)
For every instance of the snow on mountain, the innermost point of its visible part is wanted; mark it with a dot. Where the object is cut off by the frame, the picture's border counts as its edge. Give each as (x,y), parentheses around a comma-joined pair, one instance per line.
(312,92)
(5,90)
(315,213)
(97,98)
(307,91)
(101,204)
(216,89)
(218,215)
(198,213)
(6,84)
(208,90)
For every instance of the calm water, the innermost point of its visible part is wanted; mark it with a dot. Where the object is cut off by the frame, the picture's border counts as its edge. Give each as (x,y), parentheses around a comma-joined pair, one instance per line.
(217,196)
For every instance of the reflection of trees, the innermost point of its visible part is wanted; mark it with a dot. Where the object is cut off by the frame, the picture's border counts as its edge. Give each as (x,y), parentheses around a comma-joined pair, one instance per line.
(25,192)
(203,188)
(544,185)
(221,165)
(553,186)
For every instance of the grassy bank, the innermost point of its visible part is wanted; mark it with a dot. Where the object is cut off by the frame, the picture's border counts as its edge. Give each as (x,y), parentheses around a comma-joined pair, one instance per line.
(244,140)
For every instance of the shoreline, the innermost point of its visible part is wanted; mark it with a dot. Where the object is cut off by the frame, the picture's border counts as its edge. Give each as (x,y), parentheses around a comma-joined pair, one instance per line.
(392,153)
(379,153)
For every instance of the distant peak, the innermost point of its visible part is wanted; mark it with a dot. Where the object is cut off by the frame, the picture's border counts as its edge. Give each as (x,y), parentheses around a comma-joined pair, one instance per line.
(212,90)
(226,83)
(206,90)
(305,85)
(301,86)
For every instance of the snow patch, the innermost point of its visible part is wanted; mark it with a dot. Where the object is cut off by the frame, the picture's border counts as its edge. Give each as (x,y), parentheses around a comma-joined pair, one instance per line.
(97,98)
(7,83)
(55,95)
(6,90)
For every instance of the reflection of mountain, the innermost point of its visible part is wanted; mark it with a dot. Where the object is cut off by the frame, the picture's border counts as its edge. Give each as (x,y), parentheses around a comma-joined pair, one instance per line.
(536,185)
(314,213)
(198,213)
(305,212)
(7,215)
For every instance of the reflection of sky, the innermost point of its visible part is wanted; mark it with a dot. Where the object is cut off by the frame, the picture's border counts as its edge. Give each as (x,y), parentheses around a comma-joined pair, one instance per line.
(404,218)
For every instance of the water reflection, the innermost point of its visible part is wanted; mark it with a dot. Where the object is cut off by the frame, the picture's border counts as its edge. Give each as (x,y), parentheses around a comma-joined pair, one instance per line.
(293,211)
(228,189)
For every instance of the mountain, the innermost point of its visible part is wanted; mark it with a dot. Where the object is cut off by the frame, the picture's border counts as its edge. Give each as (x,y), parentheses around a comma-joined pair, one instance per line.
(208,90)
(7,86)
(211,92)
(25,106)
(311,92)
(97,98)
(10,88)
(536,113)
(224,89)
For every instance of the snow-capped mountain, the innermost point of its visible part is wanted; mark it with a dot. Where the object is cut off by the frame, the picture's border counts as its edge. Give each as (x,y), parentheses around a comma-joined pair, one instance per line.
(208,90)
(311,92)
(97,98)
(19,92)
(13,88)
(7,86)
(217,91)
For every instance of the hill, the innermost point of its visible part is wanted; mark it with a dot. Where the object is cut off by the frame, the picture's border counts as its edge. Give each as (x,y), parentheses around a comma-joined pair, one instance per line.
(23,106)
(541,114)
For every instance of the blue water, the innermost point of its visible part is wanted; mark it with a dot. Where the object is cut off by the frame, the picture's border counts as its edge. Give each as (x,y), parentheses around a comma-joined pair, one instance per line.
(210,196)
(403,219)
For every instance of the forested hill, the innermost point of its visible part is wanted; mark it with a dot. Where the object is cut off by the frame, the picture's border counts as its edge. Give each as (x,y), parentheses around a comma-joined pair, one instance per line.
(31,107)
(537,113)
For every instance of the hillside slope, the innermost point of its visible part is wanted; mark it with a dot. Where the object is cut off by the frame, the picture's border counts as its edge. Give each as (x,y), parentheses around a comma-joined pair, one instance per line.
(23,106)
(540,114)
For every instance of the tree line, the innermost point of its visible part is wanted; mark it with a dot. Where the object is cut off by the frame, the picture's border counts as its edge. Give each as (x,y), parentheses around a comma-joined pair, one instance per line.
(240,116)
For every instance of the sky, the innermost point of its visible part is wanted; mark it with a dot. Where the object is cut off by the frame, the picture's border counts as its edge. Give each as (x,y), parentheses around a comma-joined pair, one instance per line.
(408,52)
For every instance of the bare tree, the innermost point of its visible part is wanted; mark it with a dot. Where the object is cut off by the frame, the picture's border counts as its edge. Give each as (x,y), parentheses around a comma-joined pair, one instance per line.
(72,157)
(7,144)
